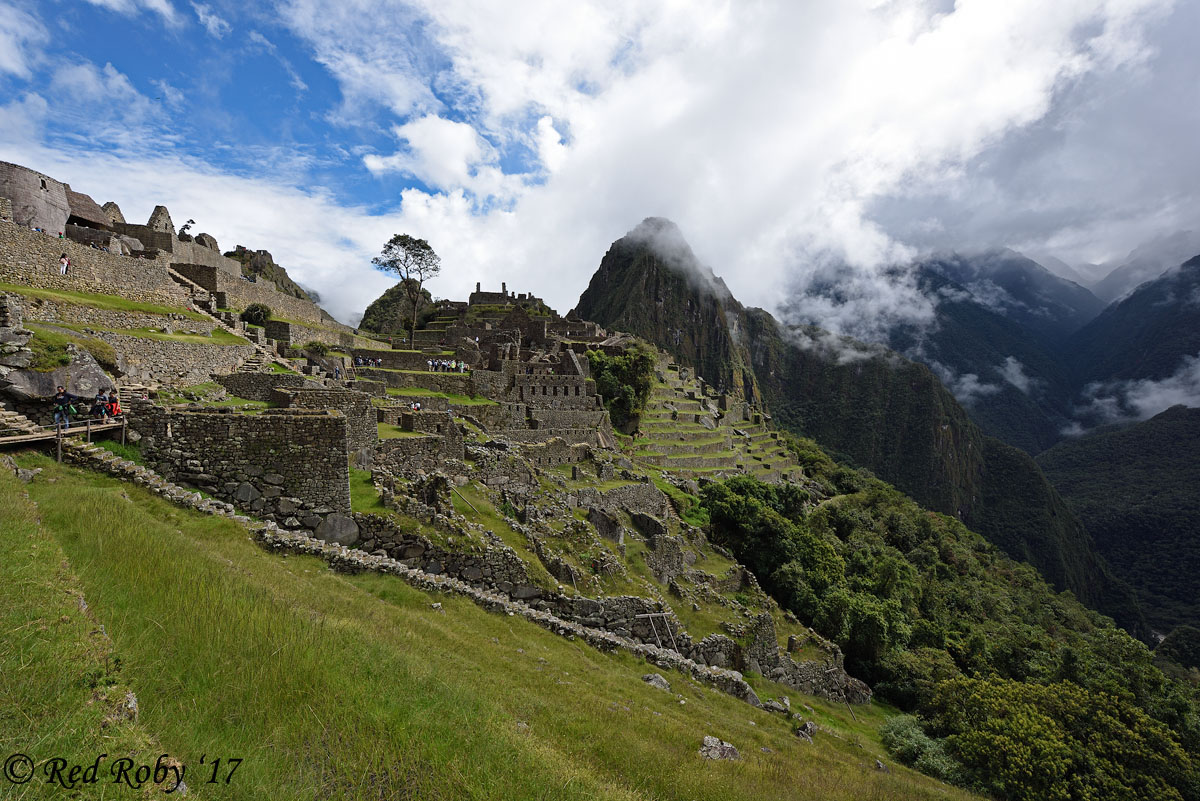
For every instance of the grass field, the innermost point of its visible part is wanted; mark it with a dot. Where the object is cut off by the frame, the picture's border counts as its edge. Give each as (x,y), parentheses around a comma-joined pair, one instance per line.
(337,687)
(453,398)
(98,301)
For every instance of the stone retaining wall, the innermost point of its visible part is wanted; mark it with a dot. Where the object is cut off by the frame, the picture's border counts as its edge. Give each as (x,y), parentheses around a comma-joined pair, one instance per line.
(31,258)
(50,311)
(152,361)
(259,386)
(290,465)
(240,293)
(405,454)
(497,564)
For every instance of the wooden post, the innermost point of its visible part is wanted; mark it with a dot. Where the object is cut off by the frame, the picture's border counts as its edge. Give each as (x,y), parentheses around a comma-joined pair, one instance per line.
(89,430)
(58,427)
(124,421)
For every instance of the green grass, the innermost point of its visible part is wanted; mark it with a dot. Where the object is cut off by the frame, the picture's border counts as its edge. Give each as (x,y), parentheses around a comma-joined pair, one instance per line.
(332,686)
(61,683)
(453,398)
(97,301)
(363,497)
(49,346)
(389,431)
(127,451)
(276,367)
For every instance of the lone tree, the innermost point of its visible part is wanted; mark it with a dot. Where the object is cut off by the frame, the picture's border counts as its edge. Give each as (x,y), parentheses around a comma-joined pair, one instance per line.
(415,263)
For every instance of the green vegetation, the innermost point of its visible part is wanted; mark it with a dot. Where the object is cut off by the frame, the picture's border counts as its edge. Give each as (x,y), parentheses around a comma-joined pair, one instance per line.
(334,686)
(256,314)
(919,603)
(624,381)
(391,312)
(50,352)
(389,431)
(319,348)
(453,398)
(97,301)
(1137,489)
(260,265)
(276,367)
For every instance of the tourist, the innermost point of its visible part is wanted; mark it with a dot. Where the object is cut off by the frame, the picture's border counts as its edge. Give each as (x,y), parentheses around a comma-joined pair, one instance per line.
(337,373)
(63,264)
(63,409)
(114,404)
(99,406)
(429,365)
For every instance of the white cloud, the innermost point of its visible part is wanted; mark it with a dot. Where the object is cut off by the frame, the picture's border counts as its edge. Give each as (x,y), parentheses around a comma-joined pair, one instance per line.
(133,7)
(215,24)
(967,388)
(22,38)
(765,131)
(293,76)
(1012,371)
(1123,401)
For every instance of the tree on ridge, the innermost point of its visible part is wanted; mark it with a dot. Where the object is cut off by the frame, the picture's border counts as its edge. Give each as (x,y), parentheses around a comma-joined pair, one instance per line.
(414,261)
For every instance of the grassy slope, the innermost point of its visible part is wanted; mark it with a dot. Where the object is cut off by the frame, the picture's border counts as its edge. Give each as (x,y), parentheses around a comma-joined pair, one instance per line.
(110,302)
(354,687)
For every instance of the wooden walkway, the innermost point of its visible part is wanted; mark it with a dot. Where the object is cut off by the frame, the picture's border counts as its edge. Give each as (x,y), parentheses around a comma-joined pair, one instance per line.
(56,433)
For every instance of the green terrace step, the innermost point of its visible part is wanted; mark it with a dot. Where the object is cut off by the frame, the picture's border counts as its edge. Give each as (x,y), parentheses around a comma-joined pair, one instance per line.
(673,448)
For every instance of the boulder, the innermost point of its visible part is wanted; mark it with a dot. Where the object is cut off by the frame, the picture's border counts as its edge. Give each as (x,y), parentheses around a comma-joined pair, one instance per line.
(656,680)
(715,748)
(338,528)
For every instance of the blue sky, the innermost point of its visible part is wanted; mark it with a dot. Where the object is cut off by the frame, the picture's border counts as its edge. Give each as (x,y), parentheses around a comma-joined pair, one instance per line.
(522,138)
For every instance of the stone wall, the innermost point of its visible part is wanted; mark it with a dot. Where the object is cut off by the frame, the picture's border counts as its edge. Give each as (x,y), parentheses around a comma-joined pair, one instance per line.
(404,455)
(393,415)
(37,199)
(554,452)
(260,386)
(363,431)
(295,334)
(289,465)
(497,564)
(456,383)
(376,389)
(397,359)
(240,293)
(556,391)
(152,361)
(645,499)
(31,258)
(50,311)
(562,418)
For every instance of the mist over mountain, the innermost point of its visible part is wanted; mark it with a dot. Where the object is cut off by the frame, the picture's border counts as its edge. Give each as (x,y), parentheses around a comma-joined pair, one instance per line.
(865,402)
(1142,355)
(1146,263)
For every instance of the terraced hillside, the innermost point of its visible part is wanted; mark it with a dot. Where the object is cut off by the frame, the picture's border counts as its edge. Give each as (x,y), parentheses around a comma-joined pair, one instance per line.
(684,431)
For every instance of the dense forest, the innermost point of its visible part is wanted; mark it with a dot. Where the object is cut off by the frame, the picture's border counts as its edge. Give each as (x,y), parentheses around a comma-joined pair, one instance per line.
(1014,689)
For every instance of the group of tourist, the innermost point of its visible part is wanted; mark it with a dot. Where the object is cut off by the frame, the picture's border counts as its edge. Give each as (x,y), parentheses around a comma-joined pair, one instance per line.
(106,406)
(446,365)
(359,361)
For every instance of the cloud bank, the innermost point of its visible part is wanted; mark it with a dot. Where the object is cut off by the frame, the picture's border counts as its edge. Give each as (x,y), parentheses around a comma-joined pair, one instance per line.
(532,134)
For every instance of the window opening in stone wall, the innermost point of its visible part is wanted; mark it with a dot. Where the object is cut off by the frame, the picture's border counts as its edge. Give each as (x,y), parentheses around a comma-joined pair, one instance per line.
(44,184)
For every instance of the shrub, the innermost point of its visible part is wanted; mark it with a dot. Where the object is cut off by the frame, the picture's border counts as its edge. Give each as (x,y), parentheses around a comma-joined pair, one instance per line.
(319,348)
(257,314)
(904,739)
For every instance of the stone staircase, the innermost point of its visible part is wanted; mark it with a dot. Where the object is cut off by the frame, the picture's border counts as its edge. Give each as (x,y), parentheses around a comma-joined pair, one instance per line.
(11,421)
(202,301)
(254,364)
